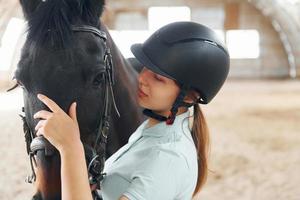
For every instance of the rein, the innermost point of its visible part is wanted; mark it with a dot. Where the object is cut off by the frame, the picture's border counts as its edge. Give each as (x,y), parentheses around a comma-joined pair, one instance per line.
(39,143)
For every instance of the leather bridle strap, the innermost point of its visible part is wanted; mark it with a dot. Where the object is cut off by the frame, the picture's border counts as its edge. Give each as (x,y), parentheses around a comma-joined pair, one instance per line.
(90,29)
(94,167)
(103,128)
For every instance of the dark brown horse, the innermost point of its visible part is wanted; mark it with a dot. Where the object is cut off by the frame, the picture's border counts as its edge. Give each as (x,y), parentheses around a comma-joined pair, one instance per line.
(68,65)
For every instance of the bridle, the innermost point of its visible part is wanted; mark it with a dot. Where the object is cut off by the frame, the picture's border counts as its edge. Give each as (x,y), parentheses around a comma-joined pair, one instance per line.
(96,164)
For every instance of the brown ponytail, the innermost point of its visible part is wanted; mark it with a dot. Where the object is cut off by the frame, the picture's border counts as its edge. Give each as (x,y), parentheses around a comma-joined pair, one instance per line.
(200,136)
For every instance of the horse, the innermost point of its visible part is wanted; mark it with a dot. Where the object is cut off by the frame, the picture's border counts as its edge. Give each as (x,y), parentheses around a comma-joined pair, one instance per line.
(69,56)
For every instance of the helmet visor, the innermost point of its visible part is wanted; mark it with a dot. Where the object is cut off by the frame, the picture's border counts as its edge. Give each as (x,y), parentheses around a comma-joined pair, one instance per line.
(137,50)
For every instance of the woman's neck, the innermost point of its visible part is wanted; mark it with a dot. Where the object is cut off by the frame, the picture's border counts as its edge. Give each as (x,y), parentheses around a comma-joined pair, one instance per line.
(152,121)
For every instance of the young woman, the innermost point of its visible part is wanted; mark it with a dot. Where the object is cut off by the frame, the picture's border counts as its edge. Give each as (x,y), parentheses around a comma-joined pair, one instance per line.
(166,157)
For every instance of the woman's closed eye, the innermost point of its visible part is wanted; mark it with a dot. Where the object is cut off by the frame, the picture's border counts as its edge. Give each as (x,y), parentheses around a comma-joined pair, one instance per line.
(158,77)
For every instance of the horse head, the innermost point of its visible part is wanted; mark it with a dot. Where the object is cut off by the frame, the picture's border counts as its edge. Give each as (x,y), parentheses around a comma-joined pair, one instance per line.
(65,57)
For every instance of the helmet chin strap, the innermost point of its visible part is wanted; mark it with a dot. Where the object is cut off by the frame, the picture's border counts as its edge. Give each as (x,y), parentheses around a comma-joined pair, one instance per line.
(177,103)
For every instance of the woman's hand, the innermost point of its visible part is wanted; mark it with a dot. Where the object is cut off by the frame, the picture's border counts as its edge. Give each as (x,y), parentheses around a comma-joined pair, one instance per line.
(59,128)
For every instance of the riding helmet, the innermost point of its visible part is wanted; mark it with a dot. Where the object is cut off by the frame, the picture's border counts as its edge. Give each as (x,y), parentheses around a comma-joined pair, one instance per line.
(189,53)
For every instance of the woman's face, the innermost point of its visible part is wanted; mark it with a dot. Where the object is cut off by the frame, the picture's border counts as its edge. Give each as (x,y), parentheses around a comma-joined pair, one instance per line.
(156,92)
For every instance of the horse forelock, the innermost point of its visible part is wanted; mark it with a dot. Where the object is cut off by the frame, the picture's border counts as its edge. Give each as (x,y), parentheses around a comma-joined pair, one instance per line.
(51,22)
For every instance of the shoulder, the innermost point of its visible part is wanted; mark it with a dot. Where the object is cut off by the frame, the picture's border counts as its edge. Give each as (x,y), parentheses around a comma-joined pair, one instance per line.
(162,161)
(177,145)
(161,170)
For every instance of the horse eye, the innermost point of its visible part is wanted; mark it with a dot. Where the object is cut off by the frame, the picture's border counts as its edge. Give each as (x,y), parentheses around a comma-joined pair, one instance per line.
(99,79)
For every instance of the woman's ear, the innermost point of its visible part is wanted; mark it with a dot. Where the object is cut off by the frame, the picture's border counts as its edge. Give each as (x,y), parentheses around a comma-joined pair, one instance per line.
(191,97)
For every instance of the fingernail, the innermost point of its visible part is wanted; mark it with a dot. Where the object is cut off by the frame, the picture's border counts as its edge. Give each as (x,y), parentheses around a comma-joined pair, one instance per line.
(40,96)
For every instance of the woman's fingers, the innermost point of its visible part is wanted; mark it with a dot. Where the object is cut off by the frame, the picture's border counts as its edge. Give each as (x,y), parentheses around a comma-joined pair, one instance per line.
(49,103)
(40,124)
(42,114)
(40,131)
(72,111)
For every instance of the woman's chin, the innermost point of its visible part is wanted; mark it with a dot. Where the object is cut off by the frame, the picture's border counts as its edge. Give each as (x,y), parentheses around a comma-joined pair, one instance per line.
(141,104)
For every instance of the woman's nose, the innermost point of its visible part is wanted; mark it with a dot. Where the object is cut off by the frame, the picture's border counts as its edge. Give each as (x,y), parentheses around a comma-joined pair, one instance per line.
(143,76)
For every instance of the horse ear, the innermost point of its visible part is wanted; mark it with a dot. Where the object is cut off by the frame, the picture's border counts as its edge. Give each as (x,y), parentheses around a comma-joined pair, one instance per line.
(29,6)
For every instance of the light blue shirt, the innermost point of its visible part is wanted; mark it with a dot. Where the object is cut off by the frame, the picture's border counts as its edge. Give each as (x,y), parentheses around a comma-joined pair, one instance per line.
(157,163)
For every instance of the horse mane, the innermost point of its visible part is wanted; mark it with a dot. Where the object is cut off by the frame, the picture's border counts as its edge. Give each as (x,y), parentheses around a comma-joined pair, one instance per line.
(50,23)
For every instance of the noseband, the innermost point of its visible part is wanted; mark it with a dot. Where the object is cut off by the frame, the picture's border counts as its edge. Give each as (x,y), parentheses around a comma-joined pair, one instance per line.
(96,163)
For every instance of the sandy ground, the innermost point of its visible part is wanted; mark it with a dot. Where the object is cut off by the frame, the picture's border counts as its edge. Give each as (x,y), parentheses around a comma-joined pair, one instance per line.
(255,143)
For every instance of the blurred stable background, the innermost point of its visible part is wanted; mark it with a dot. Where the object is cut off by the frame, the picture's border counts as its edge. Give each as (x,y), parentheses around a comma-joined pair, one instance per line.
(254,121)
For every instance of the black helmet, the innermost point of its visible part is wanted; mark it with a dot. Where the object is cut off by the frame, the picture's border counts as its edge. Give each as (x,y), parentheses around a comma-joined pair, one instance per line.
(189,53)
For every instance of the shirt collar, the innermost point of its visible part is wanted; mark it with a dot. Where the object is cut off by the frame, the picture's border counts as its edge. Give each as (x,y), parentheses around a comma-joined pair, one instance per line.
(161,129)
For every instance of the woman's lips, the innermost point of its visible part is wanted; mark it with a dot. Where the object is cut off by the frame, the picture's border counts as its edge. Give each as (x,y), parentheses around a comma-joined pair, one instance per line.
(141,93)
